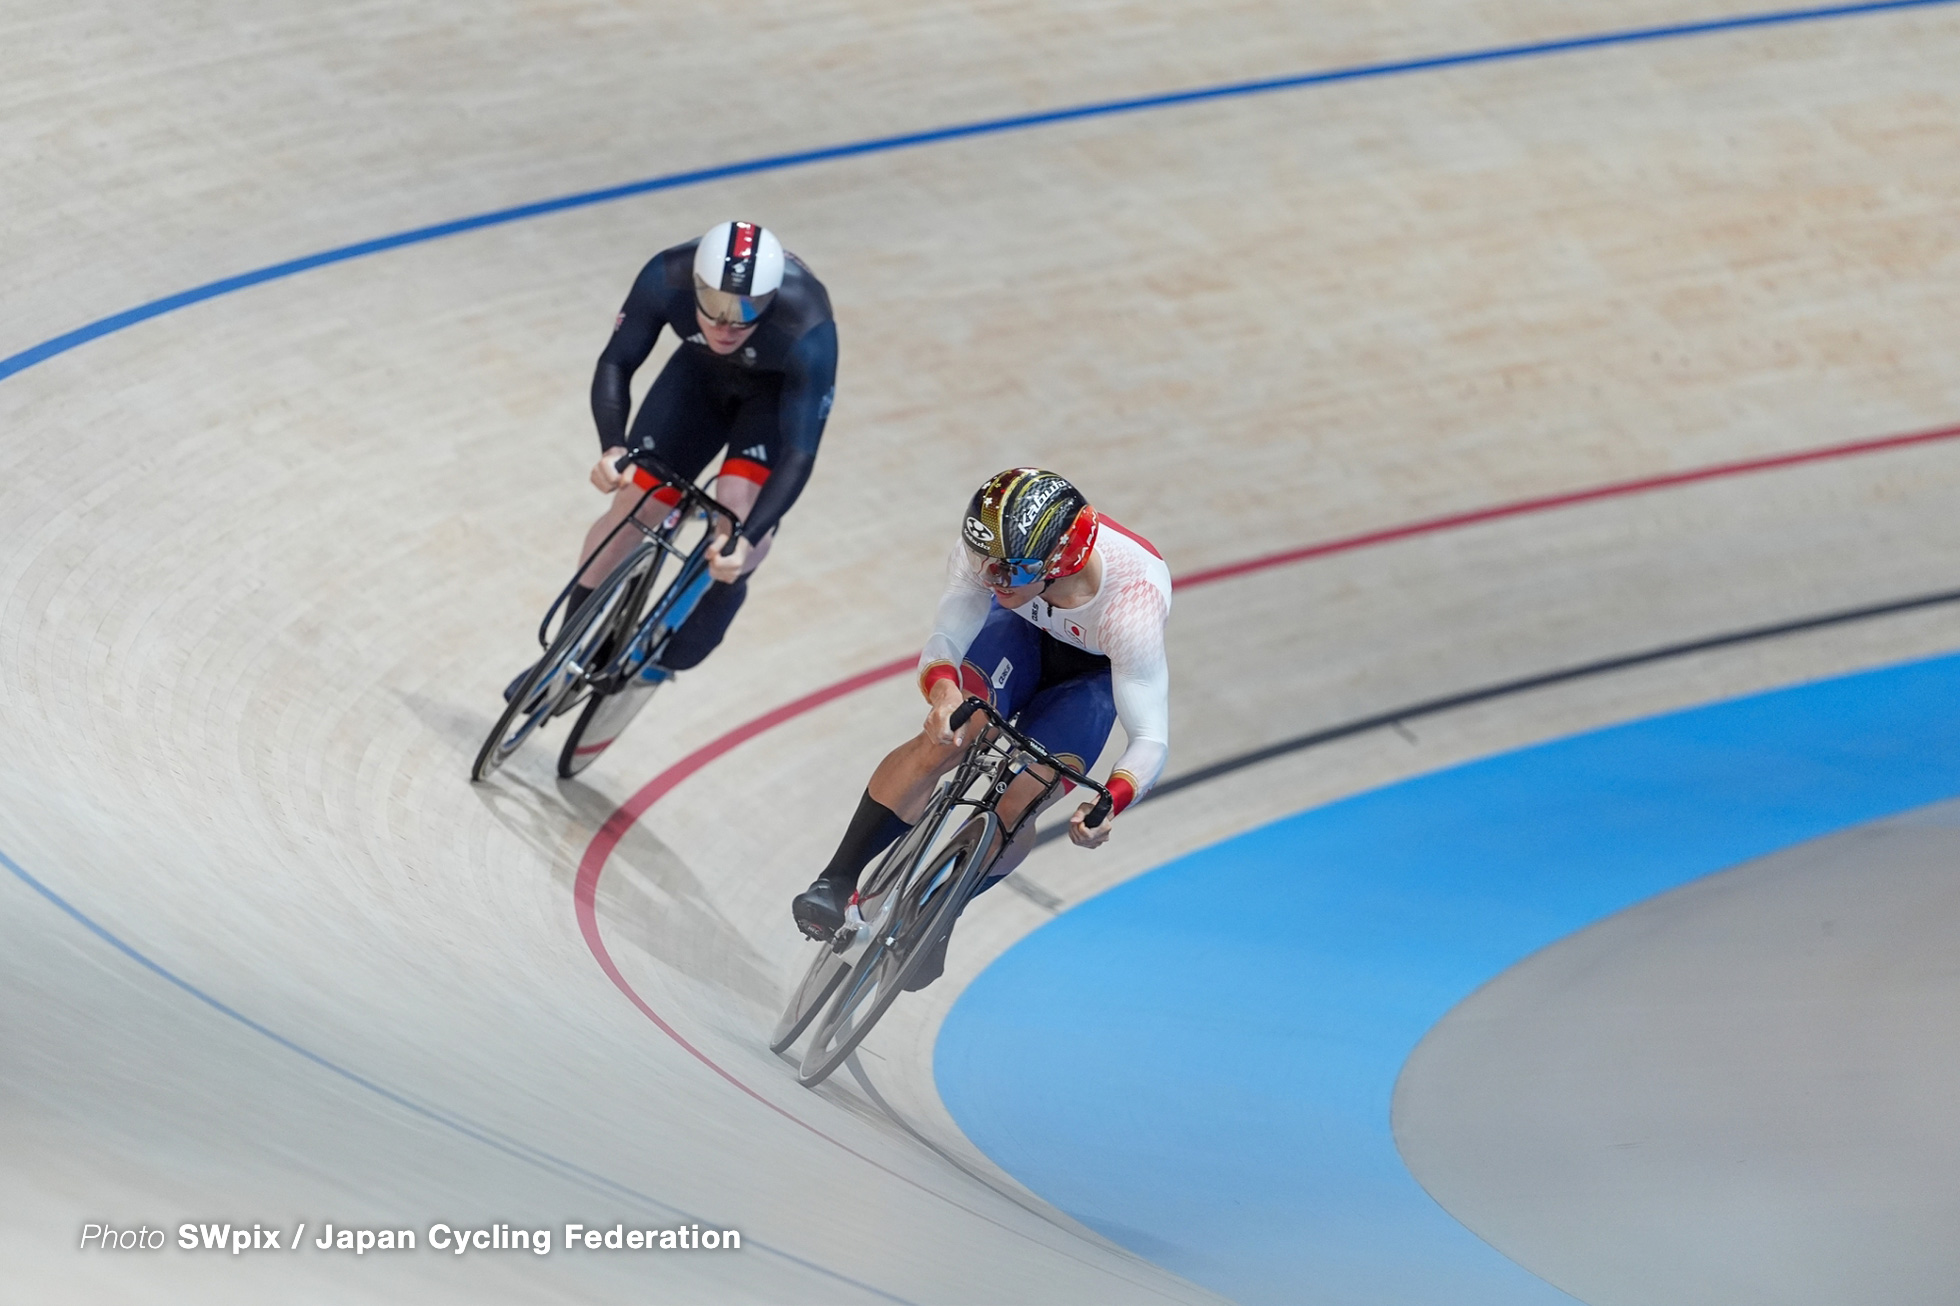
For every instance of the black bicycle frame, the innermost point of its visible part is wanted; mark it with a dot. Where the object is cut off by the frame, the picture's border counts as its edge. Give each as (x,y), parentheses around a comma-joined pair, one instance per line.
(692,499)
(1001,767)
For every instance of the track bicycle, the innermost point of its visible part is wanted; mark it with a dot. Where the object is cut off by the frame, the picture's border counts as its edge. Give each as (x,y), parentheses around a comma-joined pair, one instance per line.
(909,902)
(606,655)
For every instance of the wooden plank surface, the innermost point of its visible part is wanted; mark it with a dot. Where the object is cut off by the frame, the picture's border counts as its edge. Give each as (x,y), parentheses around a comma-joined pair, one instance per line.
(265,562)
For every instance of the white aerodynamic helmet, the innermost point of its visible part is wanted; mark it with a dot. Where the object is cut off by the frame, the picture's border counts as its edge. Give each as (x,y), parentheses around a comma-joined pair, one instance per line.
(738,268)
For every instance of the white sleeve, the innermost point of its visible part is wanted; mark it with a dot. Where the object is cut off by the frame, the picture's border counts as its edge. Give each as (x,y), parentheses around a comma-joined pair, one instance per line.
(962,611)
(1140,680)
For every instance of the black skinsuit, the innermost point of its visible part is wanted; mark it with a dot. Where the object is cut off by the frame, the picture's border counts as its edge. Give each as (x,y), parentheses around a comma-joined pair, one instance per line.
(766,403)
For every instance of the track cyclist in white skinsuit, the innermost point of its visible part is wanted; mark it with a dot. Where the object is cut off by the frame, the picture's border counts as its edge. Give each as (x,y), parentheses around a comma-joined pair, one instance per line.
(1052,612)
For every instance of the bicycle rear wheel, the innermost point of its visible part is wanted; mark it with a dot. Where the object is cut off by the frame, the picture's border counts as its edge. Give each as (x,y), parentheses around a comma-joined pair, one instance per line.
(901,937)
(584,642)
(609,713)
(600,723)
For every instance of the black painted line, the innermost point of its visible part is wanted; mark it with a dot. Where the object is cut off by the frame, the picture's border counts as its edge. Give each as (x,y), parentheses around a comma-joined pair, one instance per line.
(1504,689)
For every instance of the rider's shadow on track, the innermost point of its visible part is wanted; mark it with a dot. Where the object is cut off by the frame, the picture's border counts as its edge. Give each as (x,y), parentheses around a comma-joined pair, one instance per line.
(451,721)
(652,898)
(649,897)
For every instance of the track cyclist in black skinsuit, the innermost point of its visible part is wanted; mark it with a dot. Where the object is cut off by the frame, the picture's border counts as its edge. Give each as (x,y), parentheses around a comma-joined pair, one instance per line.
(755,374)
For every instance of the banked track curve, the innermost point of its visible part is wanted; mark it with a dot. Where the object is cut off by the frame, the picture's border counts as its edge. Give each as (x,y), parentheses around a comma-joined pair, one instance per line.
(122,321)
(653,792)
(592,863)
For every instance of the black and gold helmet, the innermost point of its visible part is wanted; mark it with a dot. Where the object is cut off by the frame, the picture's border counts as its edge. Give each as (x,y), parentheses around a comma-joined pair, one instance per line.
(1029,525)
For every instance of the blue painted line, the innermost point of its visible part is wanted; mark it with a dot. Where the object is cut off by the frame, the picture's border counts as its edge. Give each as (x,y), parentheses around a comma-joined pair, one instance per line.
(483,1134)
(61,344)
(1200,1063)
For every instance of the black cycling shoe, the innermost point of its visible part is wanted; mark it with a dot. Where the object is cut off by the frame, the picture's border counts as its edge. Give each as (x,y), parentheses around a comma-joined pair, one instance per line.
(819,909)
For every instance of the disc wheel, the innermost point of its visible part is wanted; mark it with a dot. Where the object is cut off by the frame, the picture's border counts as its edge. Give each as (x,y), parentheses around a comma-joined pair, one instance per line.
(604,717)
(554,683)
(899,940)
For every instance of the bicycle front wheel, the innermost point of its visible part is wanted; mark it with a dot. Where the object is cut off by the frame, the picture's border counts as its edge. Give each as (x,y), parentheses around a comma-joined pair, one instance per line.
(820,980)
(584,642)
(902,936)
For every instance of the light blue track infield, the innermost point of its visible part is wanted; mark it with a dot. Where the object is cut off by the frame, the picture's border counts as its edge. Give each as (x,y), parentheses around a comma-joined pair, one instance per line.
(1199,1063)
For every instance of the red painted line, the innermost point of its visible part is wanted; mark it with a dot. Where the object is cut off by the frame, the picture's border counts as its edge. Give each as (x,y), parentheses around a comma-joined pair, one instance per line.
(1618,489)
(585,888)
(592,865)
(657,788)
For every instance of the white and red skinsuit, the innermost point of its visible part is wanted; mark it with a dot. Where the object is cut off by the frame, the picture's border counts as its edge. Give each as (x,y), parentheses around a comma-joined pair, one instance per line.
(1123,622)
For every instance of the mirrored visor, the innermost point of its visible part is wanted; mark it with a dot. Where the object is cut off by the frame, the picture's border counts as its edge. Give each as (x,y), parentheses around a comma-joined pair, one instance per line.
(726,308)
(1012,573)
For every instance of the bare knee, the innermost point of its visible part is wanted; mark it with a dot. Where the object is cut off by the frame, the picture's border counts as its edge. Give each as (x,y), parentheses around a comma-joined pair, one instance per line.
(905,779)
(607,542)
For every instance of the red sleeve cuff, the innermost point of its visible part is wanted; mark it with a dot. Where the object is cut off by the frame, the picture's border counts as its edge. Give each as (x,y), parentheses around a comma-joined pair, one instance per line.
(935,673)
(1123,792)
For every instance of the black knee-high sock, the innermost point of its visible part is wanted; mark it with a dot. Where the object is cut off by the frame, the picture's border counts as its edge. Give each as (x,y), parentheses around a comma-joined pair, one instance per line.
(873,828)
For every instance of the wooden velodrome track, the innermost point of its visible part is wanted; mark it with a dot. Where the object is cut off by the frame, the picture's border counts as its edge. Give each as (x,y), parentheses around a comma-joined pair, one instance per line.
(266,559)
